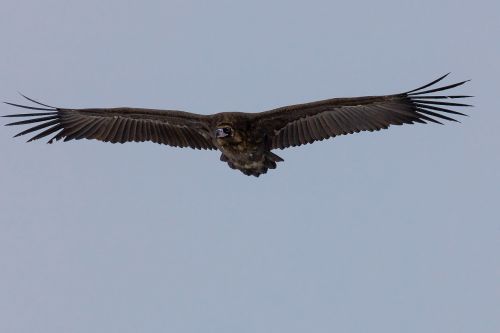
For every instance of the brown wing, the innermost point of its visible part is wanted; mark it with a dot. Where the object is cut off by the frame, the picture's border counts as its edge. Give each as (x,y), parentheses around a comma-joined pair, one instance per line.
(173,128)
(305,123)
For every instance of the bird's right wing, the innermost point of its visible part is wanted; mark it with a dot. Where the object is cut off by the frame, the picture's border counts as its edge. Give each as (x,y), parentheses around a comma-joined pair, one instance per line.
(173,128)
(300,124)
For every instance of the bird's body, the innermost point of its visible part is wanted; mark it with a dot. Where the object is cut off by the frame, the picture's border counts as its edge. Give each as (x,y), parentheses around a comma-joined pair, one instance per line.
(244,139)
(247,149)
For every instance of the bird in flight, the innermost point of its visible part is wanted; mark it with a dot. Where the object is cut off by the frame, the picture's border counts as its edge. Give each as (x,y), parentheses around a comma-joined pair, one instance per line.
(246,140)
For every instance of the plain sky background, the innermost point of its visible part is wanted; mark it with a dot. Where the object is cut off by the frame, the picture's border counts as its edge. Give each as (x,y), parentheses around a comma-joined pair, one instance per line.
(394,231)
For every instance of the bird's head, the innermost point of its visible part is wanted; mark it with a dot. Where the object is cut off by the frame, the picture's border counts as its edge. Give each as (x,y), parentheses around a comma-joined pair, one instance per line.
(224,131)
(229,135)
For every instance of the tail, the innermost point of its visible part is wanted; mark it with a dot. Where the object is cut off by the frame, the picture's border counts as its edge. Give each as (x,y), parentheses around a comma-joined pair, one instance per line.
(251,168)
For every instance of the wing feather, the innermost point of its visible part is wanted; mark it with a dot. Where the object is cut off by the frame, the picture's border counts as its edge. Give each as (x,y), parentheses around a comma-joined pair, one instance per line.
(300,124)
(174,128)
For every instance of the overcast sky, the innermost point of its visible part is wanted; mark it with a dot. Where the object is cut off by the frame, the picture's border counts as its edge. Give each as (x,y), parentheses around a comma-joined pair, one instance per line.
(394,231)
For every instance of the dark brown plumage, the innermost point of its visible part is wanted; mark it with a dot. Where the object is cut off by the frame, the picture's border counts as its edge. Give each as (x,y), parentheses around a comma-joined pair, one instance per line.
(245,139)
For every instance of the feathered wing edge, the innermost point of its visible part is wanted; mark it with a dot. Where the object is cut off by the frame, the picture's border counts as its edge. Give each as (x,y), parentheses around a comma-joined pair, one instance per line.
(299,124)
(49,118)
(62,125)
(428,106)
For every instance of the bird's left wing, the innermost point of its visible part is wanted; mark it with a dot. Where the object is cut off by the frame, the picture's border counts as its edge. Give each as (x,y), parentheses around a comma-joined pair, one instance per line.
(174,128)
(299,124)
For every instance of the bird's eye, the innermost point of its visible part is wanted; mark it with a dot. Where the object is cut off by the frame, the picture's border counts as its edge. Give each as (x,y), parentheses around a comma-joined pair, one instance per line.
(223,132)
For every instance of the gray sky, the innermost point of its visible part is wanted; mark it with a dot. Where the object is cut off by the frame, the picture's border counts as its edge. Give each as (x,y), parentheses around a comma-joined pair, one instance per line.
(395,231)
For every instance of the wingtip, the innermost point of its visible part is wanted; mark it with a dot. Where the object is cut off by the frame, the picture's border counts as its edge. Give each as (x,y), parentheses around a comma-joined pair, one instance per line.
(35,101)
(428,84)
(8,103)
(443,77)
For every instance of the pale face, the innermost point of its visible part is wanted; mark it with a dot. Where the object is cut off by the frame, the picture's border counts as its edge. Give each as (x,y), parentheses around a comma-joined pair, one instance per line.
(224,132)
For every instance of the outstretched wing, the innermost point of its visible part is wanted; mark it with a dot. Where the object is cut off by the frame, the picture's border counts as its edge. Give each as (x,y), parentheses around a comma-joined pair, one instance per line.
(296,125)
(173,128)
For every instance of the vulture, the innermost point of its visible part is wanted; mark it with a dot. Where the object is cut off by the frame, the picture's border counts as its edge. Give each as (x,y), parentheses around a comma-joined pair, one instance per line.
(245,140)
